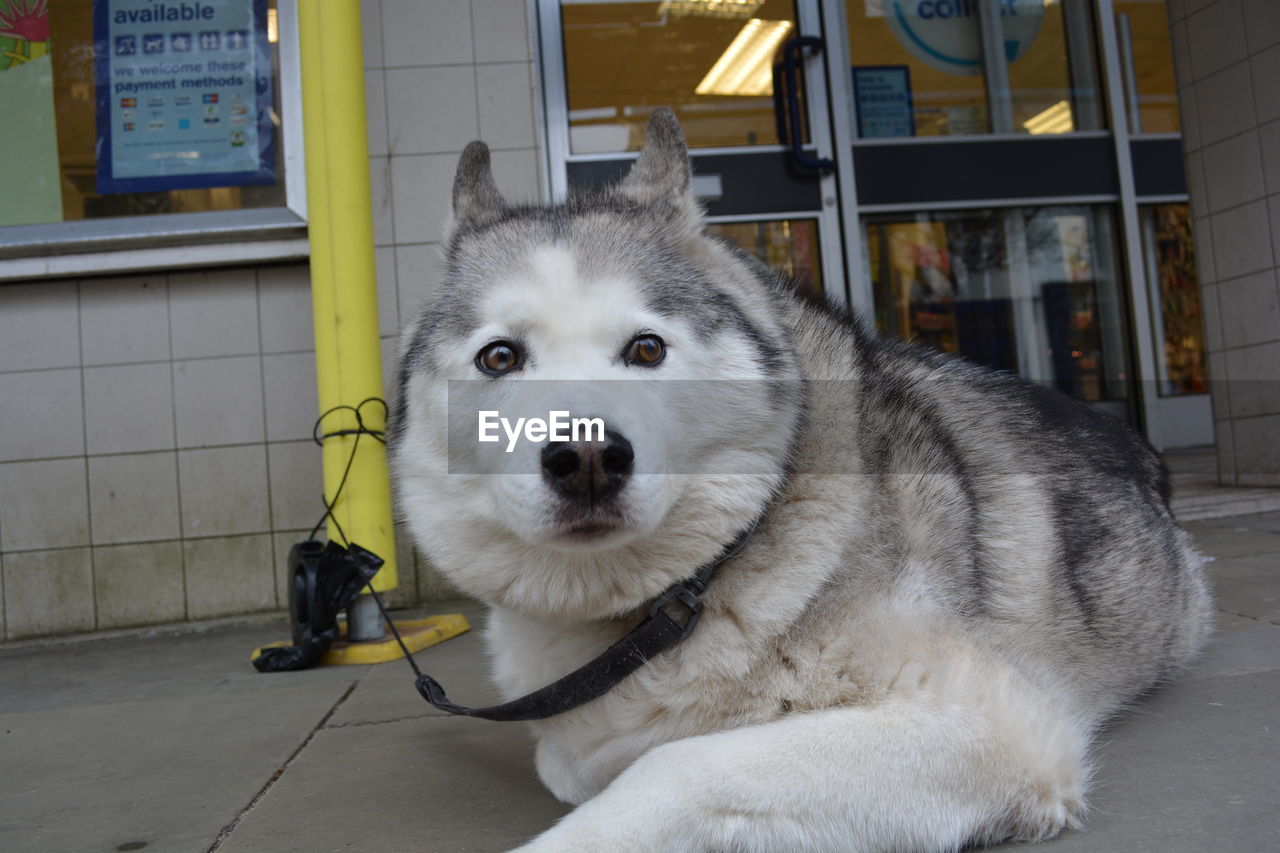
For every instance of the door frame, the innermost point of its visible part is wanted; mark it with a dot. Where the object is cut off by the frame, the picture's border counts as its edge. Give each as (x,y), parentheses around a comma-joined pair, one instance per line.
(831,232)
(1179,421)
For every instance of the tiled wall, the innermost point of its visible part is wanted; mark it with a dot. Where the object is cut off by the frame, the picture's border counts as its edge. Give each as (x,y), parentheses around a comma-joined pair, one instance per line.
(1227,57)
(155,452)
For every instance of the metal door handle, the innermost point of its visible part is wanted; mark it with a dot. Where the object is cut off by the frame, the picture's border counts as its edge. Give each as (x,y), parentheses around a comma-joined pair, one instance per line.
(786,88)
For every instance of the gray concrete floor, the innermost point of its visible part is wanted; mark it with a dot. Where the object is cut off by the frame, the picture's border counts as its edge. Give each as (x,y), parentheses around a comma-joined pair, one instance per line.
(173,742)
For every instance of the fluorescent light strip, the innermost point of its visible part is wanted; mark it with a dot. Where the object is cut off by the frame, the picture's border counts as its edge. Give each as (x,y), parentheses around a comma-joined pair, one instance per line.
(1055,119)
(730,9)
(746,66)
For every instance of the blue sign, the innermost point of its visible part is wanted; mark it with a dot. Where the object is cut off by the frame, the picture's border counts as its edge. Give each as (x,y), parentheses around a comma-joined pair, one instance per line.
(944,34)
(882,96)
(183,94)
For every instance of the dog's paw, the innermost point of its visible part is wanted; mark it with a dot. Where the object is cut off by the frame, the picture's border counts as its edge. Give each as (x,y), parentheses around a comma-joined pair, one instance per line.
(1047,816)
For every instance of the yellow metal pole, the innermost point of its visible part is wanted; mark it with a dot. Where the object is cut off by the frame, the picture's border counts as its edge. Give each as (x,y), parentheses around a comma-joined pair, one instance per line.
(343,277)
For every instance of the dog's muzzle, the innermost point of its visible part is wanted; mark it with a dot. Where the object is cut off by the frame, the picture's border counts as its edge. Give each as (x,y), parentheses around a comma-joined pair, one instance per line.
(588,472)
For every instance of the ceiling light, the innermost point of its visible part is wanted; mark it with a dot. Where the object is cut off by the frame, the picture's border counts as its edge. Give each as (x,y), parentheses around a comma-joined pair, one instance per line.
(731,9)
(746,66)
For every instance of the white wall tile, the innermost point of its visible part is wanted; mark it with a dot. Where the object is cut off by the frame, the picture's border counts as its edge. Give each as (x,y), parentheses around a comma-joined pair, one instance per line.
(501,30)
(505,95)
(129,407)
(375,110)
(419,271)
(224,491)
(1261,24)
(229,575)
(290,381)
(1212,318)
(1216,37)
(1202,233)
(430,110)
(133,497)
(1219,387)
(218,401)
(280,545)
(124,319)
(1233,171)
(1256,451)
(284,308)
(297,484)
(426,32)
(516,173)
(1241,242)
(1265,71)
(42,415)
(424,188)
(1269,145)
(1273,217)
(1251,372)
(384,259)
(1250,314)
(1182,71)
(390,367)
(1190,7)
(371,32)
(214,312)
(1224,103)
(1189,119)
(43,504)
(138,584)
(384,226)
(48,592)
(39,325)
(1195,184)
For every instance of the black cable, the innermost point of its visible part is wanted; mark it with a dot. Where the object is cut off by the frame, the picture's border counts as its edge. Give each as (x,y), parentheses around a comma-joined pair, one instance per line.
(358,432)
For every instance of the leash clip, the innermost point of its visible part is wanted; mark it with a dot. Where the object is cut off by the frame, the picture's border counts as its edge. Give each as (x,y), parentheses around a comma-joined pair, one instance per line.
(686,596)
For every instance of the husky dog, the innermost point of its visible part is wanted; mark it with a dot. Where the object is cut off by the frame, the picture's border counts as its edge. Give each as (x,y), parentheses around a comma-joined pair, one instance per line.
(956,577)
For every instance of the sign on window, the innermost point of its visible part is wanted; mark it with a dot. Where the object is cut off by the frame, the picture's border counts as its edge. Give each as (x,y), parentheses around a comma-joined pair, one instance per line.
(183,94)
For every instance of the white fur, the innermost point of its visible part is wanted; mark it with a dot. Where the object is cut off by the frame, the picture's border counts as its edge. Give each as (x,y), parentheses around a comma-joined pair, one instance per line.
(837,695)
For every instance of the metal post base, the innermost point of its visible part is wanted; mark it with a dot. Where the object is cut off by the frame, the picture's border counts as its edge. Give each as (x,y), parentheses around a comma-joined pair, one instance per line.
(364,620)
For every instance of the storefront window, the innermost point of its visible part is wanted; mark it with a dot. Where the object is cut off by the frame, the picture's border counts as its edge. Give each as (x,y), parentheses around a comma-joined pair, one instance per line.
(787,245)
(128,108)
(710,60)
(919,68)
(1142,27)
(1175,299)
(1031,290)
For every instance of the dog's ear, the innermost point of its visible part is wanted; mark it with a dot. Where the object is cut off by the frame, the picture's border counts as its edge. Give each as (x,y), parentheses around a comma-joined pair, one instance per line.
(476,199)
(661,174)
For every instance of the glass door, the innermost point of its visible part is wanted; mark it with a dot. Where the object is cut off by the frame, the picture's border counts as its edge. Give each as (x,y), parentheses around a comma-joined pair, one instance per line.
(761,149)
(1011,166)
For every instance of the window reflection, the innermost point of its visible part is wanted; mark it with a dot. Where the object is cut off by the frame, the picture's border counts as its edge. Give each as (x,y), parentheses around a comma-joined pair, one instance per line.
(1031,290)
(710,61)
(787,245)
(1142,27)
(925,57)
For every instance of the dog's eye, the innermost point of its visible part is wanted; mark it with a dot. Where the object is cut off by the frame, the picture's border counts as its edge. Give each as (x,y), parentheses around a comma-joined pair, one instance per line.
(498,358)
(646,351)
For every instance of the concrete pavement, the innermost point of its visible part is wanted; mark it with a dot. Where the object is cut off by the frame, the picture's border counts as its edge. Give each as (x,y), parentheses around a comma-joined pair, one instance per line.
(172,742)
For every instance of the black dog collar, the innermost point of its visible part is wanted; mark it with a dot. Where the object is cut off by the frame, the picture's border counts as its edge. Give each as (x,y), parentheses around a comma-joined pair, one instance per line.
(658,631)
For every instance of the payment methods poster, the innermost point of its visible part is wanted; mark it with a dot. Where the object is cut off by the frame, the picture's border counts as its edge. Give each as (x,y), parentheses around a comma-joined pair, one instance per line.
(183,94)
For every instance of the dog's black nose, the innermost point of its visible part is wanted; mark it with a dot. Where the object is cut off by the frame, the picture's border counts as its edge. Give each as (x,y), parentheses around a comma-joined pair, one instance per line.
(588,470)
